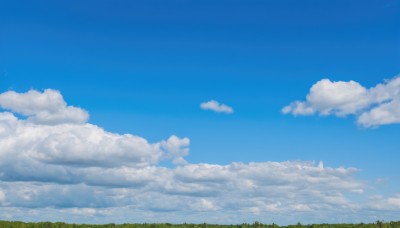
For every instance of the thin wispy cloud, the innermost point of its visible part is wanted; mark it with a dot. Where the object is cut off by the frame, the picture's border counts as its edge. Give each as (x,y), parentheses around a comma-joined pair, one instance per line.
(375,106)
(216,107)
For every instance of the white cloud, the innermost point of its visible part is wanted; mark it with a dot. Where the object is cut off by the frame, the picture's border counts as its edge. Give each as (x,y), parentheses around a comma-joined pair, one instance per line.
(216,107)
(84,211)
(176,149)
(78,172)
(301,207)
(204,205)
(386,113)
(195,186)
(85,145)
(48,107)
(375,106)
(33,151)
(395,201)
(379,202)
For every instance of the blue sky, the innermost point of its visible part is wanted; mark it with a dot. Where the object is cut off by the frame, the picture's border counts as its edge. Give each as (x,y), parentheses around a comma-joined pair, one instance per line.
(144,68)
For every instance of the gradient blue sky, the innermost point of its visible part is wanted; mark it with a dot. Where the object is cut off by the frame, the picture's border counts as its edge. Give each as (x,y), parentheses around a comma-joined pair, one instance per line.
(144,67)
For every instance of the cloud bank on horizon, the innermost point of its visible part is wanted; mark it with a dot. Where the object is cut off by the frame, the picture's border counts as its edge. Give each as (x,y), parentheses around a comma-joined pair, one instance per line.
(54,165)
(379,105)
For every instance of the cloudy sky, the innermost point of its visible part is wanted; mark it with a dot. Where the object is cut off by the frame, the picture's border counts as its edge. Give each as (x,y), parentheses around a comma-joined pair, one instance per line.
(222,111)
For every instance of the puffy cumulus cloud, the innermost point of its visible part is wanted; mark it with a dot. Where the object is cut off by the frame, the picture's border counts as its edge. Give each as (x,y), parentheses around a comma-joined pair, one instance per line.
(327,97)
(77,172)
(375,106)
(48,107)
(176,149)
(387,113)
(32,150)
(216,107)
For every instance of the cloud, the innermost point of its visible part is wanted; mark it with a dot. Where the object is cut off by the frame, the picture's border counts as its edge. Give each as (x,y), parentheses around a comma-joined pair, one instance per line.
(2,196)
(176,148)
(394,201)
(216,107)
(196,186)
(86,145)
(386,113)
(372,107)
(30,150)
(77,172)
(204,205)
(48,107)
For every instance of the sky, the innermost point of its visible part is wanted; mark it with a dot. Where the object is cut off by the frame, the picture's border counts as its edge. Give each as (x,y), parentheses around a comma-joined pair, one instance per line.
(223,111)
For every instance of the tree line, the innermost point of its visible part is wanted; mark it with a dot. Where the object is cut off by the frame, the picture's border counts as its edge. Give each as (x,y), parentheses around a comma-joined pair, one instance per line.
(16,224)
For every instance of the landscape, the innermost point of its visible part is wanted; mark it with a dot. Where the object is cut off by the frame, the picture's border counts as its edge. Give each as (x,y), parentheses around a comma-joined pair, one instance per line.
(379,224)
(200,113)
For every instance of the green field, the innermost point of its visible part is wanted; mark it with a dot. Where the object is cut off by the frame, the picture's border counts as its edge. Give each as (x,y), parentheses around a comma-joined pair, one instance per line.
(7,224)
